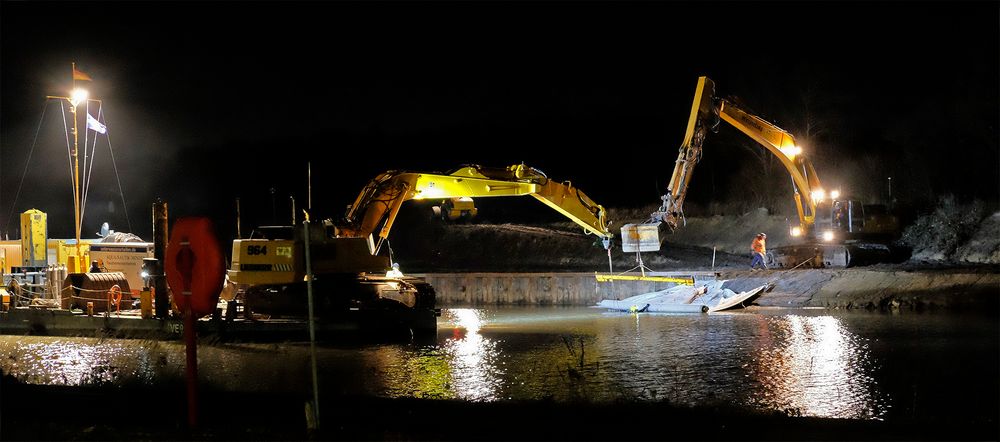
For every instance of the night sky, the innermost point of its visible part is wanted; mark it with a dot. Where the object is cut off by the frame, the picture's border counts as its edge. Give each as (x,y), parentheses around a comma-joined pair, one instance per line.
(207,102)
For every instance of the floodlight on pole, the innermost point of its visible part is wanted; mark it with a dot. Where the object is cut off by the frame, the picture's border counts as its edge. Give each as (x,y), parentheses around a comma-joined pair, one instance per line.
(78,96)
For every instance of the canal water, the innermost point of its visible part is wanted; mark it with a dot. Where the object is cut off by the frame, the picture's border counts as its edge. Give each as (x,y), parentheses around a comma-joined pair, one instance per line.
(808,362)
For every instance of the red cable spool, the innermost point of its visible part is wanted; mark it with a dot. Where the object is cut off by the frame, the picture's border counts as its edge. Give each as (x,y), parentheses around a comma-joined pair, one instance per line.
(194,265)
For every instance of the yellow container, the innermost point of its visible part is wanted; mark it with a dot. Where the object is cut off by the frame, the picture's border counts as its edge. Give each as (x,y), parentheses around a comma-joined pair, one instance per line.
(34,234)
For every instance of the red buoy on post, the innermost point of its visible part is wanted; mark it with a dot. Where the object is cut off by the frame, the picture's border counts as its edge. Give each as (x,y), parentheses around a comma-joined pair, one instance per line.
(195,272)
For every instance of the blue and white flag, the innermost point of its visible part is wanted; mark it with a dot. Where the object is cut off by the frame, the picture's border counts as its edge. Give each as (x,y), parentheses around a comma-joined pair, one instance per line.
(95,125)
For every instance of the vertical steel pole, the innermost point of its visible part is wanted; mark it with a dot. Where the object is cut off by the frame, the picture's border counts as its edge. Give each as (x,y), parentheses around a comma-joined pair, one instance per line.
(890,193)
(185,262)
(238,236)
(312,322)
(191,363)
(76,190)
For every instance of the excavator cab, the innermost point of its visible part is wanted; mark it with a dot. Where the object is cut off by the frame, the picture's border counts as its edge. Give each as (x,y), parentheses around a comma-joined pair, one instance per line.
(848,220)
(461,209)
(838,220)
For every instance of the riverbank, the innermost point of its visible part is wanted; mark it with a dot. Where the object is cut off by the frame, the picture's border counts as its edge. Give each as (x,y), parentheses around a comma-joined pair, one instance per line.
(105,413)
(889,288)
(875,288)
(553,264)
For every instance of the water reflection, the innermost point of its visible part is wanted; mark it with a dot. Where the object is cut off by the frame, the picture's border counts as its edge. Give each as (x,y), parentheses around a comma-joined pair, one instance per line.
(808,363)
(814,366)
(77,361)
(474,359)
(463,365)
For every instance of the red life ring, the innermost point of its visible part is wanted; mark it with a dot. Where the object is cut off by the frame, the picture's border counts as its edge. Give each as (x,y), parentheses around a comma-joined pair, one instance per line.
(194,265)
(115,297)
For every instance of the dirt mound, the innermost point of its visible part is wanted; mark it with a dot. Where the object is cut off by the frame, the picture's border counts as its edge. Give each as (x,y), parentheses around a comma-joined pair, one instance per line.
(730,234)
(733,234)
(984,245)
(560,247)
(955,232)
(952,234)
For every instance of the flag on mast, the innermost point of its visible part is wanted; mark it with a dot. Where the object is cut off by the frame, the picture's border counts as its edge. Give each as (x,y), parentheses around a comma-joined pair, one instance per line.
(95,125)
(77,75)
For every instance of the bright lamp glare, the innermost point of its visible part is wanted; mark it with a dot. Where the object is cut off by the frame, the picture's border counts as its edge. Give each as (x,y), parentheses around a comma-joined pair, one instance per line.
(828,235)
(791,151)
(818,195)
(796,231)
(78,96)
(835,194)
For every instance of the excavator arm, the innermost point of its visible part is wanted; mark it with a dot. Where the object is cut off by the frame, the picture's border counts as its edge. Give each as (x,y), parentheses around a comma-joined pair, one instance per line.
(706,112)
(805,182)
(379,202)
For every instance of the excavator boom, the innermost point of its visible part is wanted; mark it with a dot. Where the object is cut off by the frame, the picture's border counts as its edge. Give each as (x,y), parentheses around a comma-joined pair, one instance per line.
(706,112)
(379,202)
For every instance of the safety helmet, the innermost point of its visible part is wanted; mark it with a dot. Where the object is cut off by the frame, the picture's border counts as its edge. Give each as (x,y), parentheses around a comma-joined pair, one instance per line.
(762,235)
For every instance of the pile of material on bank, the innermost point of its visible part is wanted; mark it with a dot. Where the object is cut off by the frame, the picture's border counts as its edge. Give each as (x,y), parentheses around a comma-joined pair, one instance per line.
(699,298)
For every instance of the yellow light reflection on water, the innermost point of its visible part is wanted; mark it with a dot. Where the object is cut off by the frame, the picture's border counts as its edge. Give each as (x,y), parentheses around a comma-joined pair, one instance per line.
(814,366)
(474,358)
(465,365)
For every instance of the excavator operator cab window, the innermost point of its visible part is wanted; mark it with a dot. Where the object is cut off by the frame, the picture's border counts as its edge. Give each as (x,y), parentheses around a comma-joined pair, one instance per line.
(839,215)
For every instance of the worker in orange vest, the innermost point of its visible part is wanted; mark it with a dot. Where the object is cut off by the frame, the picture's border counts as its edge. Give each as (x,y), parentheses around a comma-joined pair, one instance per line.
(758,247)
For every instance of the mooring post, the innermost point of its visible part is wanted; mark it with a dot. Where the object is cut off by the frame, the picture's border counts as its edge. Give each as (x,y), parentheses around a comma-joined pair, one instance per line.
(160,234)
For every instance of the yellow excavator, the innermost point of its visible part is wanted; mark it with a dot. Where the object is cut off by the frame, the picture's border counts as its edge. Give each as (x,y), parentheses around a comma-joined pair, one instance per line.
(833,231)
(353,283)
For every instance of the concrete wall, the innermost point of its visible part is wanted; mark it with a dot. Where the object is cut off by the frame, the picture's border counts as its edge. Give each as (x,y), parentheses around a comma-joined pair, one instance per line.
(471,289)
(836,288)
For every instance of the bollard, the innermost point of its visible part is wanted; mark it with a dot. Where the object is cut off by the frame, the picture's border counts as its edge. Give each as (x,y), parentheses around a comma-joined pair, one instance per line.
(146,304)
(231,307)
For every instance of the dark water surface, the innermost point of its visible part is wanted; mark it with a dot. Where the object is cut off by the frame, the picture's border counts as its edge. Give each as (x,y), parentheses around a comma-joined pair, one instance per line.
(800,362)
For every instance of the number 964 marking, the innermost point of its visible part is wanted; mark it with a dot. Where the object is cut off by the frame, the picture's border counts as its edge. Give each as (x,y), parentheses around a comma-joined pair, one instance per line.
(256,250)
